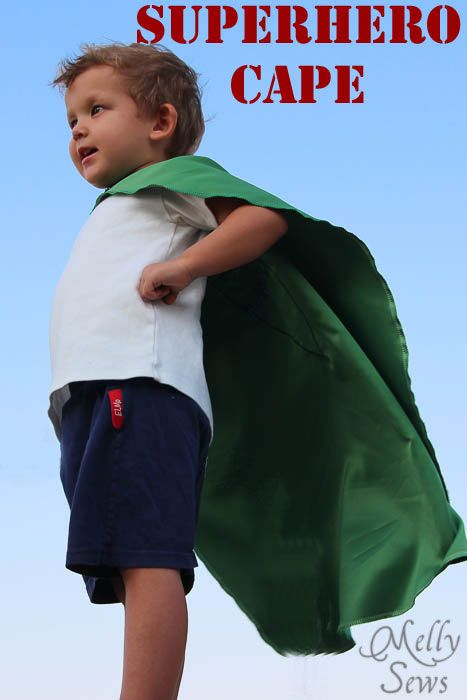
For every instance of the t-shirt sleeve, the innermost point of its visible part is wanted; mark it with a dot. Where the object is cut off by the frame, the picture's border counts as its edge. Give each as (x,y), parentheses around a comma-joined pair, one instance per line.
(188,209)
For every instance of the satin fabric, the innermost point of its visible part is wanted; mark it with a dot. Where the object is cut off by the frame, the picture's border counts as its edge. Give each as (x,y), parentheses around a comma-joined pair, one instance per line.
(324,505)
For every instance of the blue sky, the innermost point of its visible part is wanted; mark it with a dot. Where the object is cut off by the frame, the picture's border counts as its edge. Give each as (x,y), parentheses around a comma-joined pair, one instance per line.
(391,170)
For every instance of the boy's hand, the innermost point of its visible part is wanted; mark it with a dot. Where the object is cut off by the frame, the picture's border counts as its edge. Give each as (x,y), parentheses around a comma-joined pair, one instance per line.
(164,280)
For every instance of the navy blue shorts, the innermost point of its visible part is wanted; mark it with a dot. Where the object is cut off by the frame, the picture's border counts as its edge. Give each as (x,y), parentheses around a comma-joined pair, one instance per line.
(133,460)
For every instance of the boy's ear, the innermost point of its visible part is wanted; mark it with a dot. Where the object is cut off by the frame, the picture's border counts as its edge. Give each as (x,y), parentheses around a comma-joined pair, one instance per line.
(165,121)
(221,207)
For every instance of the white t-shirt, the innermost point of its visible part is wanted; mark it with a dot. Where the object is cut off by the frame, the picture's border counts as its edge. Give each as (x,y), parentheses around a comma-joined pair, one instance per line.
(100,327)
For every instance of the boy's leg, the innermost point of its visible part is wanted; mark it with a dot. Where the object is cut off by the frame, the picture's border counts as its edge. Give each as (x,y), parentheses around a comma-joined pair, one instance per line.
(175,695)
(156,627)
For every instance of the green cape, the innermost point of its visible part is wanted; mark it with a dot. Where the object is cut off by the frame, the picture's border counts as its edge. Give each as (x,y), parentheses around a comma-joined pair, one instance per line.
(324,505)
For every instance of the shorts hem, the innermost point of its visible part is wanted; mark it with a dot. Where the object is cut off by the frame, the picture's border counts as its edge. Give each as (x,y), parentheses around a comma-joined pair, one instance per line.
(92,563)
(100,589)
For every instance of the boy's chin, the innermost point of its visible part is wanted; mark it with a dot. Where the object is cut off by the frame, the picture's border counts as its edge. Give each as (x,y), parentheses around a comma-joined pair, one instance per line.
(100,183)
(104,183)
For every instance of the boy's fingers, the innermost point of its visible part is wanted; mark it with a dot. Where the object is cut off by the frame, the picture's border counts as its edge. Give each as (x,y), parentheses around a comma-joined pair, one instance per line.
(161,290)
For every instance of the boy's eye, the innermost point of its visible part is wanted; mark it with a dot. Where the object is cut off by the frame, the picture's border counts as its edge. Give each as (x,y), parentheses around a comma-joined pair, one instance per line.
(73,121)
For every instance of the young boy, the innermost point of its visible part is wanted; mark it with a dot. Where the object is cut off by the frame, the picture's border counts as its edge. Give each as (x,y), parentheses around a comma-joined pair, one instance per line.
(129,400)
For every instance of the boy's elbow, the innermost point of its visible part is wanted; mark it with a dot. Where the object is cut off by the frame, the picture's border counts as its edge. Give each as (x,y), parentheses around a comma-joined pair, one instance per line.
(280,222)
(221,207)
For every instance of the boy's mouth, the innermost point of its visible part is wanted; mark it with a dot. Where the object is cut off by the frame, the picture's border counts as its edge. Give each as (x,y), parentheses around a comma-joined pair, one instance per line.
(86,153)
(86,159)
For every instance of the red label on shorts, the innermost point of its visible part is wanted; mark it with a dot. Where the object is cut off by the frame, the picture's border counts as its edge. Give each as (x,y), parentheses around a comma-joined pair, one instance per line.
(116,407)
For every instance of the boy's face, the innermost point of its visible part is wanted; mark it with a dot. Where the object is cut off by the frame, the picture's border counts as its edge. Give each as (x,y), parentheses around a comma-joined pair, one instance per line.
(103,116)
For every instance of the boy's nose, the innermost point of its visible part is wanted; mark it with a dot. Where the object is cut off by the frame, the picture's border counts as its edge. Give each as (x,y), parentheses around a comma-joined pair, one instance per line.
(77,130)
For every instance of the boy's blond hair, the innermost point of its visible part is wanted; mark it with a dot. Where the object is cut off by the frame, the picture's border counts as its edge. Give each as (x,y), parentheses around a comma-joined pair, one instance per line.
(152,75)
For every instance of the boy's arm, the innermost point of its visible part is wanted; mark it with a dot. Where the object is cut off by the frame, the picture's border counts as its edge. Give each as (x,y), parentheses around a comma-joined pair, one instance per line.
(244,233)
